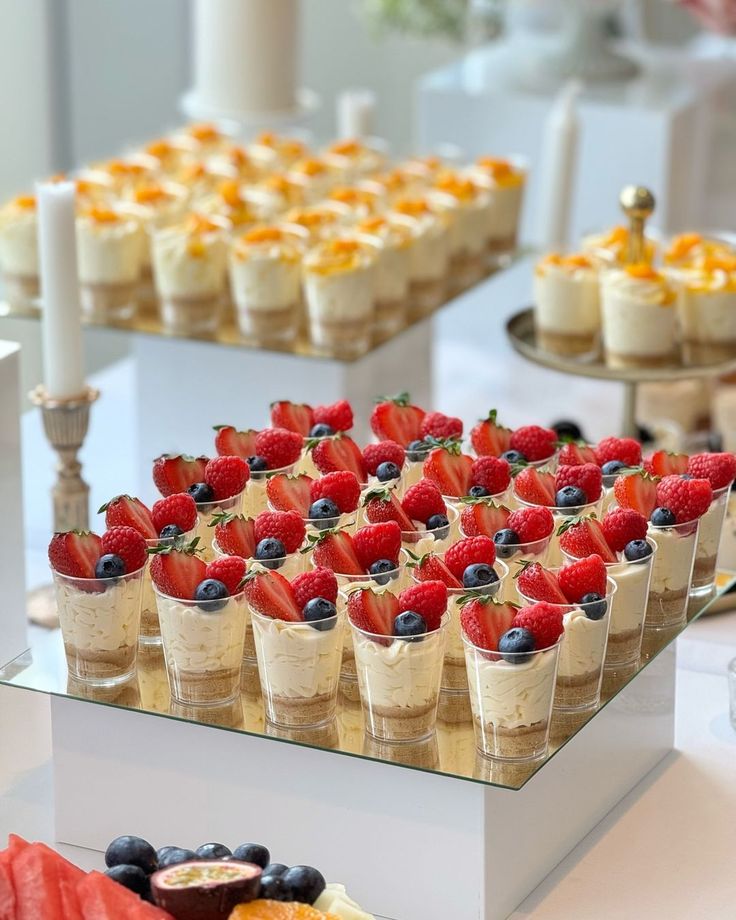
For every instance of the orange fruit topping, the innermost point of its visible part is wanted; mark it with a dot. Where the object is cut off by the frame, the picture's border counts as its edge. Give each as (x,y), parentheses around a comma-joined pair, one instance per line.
(372,224)
(644,271)
(25,202)
(263,235)
(103,215)
(310,167)
(159,149)
(200,223)
(347,148)
(204,132)
(341,247)
(682,245)
(230,194)
(498,168)
(292,149)
(196,248)
(193,171)
(58,177)
(310,219)
(121,168)
(149,194)
(267,139)
(455,185)
(277,184)
(413,206)
(278,910)
(720,261)
(238,157)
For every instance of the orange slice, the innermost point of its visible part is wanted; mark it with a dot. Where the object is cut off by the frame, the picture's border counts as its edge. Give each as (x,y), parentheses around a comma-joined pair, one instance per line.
(278,910)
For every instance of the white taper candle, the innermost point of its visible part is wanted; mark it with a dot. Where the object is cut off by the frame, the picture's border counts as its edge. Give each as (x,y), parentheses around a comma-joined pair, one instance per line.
(559,162)
(356,109)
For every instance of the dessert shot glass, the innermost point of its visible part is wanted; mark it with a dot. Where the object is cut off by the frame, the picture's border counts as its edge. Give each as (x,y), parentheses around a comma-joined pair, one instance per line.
(511,697)
(671,575)
(255,499)
(432,541)
(560,515)
(150,629)
(203,647)
(205,525)
(709,538)
(100,620)
(299,668)
(515,557)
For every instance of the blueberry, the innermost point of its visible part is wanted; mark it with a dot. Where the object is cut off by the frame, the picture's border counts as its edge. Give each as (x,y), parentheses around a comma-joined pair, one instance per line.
(595,606)
(321,430)
(273,869)
(570,497)
(440,526)
(324,513)
(131,851)
(417,450)
(387,471)
(637,549)
(410,623)
(478,491)
(212,591)
(513,456)
(274,888)
(258,466)
(306,883)
(131,877)
(171,530)
(253,853)
(172,856)
(567,429)
(515,643)
(213,851)
(201,492)
(663,517)
(507,541)
(109,566)
(321,613)
(479,575)
(271,552)
(380,569)
(612,467)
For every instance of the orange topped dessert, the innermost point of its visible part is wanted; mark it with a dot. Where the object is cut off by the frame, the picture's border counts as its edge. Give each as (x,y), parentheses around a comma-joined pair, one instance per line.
(567,303)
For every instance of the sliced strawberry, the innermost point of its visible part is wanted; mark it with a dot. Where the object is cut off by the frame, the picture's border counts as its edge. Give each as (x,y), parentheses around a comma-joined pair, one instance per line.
(537,583)
(432,568)
(584,538)
(334,549)
(482,517)
(176,572)
(271,595)
(575,453)
(235,534)
(638,491)
(396,419)
(373,612)
(383,505)
(125,511)
(174,473)
(290,493)
(339,453)
(297,417)
(232,443)
(484,621)
(666,463)
(75,553)
(489,439)
(449,469)
(536,487)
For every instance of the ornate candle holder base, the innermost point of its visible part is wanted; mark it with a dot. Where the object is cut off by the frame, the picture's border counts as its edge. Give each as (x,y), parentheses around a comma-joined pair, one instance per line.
(65,422)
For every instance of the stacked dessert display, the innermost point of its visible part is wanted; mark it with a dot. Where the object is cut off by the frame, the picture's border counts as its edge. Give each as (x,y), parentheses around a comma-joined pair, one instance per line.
(501,579)
(340,243)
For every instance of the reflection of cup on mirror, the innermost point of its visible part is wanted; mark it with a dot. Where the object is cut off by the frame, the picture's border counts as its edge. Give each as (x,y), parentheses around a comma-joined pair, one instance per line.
(323,736)
(229,715)
(126,694)
(424,754)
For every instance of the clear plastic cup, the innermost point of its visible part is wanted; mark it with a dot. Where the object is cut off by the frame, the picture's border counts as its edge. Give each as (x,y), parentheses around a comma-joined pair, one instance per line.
(671,575)
(511,698)
(515,557)
(150,631)
(256,499)
(100,621)
(709,538)
(425,541)
(203,647)
(299,669)
(207,510)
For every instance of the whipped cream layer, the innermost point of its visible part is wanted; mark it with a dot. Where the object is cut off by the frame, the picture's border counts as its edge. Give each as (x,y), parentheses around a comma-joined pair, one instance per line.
(629,603)
(199,640)
(341,297)
(295,660)
(708,316)
(430,253)
(109,252)
(727,550)
(566,298)
(710,528)
(673,564)
(639,314)
(504,210)
(100,621)
(19,240)
(583,644)
(268,279)
(179,273)
(511,695)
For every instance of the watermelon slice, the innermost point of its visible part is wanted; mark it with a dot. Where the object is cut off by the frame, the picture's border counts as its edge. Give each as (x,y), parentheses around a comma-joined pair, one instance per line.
(37,887)
(7,894)
(102,899)
(15,846)
(69,876)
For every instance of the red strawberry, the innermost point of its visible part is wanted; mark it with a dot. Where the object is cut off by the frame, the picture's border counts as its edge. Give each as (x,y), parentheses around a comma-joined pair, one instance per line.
(334,550)
(483,517)
(583,577)
(318,582)
(383,505)
(226,476)
(586,476)
(296,417)
(537,583)
(625,450)
(536,486)
(373,612)
(440,426)
(174,473)
(492,473)
(341,486)
(229,442)
(180,510)
(718,469)
(177,571)
(286,526)
(278,447)
(621,526)
(422,500)
(290,493)
(428,599)
(124,511)
(75,553)
(489,439)
(382,452)
(271,595)
(395,419)
(543,621)
(575,453)
(432,568)
(586,537)
(127,543)
(638,491)
(484,621)
(449,469)
(338,415)
(531,524)
(377,541)
(339,453)
(230,570)
(235,535)
(534,442)
(665,463)
(687,499)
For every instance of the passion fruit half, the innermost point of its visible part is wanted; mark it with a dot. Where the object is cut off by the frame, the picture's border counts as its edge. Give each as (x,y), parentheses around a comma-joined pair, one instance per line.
(205,889)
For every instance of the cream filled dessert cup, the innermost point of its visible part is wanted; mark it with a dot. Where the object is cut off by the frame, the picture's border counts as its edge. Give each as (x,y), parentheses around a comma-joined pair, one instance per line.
(150,628)
(688,250)
(299,668)
(506,180)
(567,314)
(709,539)
(203,647)
(208,511)
(611,247)
(707,308)
(19,251)
(396,235)
(471,226)
(515,558)
(511,697)
(100,619)
(561,515)
(355,159)
(255,499)
(430,254)
(313,177)
(671,575)
(110,257)
(422,540)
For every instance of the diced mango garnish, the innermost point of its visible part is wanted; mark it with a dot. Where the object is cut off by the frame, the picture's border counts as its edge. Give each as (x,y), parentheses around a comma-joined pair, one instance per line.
(103,215)
(230,193)
(200,223)
(682,245)
(267,139)
(25,202)
(263,235)
(310,167)
(643,271)
(159,149)
(414,207)
(348,148)
(204,133)
(149,194)
(371,224)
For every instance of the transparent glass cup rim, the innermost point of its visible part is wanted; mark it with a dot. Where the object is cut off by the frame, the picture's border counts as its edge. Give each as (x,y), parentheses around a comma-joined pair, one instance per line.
(301,623)
(452,515)
(611,589)
(685,528)
(218,503)
(261,475)
(365,575)
(717,493)
(611,565)
(350,518)
(128,576)
(571,511)
(502,656)
(534,546)
(452,592)
(168,541)
(252,559)
(380,637)
(221,601)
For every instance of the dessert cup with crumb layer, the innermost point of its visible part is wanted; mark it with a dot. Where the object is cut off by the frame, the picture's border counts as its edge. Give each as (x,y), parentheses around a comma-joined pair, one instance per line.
(396,235)
(707,308)
(709,539)
(506,180)
(150,629)
(19,251)
(672,573)
(110,254)
(567,313)
(430,254)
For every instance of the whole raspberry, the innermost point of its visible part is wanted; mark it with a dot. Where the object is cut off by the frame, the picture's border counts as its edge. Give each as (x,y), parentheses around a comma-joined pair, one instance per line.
(339,415)
(286,526)
(440,426)
(544,622)
(583,577)
(626,450)
(621,526)
(278,447)
(383,452)
(470,551)
(428,599)
(128,544)
(180,509)
(230,570)
(377,541)
(317,583)
(534,442)
(226,476)
(586,476)
(718,469)
(341,486)
(687,499)
(423,500)
(531,524)
(491,473)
